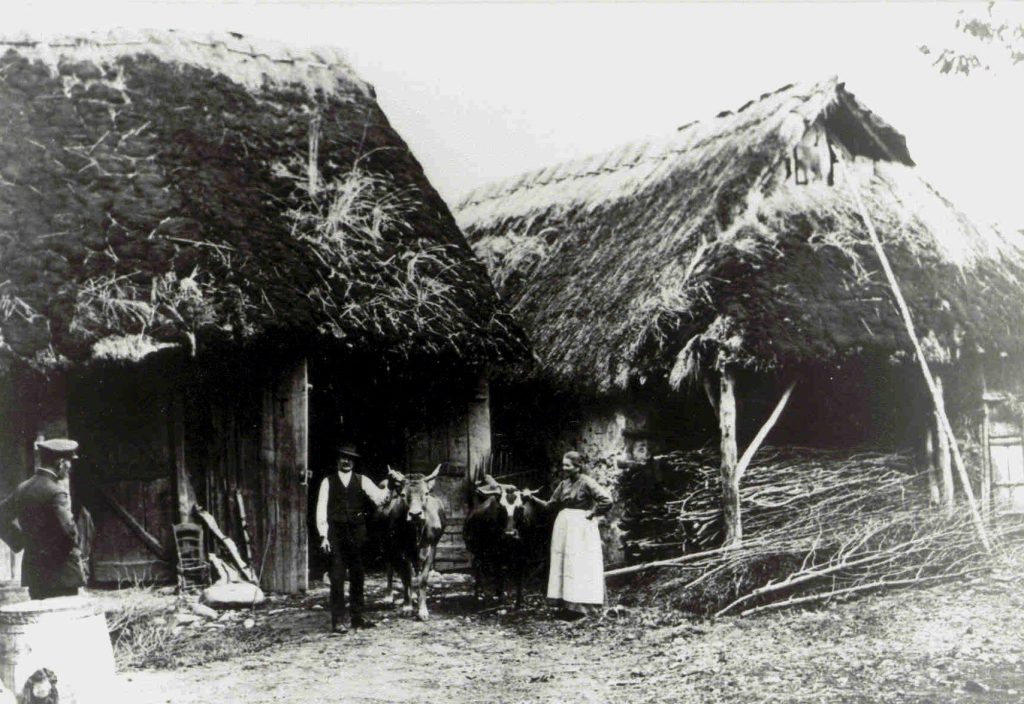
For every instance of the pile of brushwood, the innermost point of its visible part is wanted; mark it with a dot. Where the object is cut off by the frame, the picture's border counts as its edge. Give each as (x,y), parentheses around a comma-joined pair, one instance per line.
(816,526)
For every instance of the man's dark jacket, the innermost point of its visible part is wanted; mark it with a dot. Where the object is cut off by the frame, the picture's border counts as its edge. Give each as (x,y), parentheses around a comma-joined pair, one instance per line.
(46,530)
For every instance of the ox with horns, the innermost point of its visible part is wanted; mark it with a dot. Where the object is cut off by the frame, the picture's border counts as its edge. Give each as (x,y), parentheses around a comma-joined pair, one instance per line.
(413,522)
(505,534)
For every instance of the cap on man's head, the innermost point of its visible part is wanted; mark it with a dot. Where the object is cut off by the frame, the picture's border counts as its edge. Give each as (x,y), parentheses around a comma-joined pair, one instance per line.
(57,449)
(347,449)
(59,446)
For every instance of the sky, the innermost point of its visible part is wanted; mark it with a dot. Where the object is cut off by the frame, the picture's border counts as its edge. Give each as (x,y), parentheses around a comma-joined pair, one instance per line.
(487,90)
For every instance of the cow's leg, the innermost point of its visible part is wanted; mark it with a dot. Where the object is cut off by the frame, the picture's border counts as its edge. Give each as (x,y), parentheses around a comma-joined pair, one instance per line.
(424,581)
(477,569)
(405,572)
(520,573)
(499,583)
(389,592)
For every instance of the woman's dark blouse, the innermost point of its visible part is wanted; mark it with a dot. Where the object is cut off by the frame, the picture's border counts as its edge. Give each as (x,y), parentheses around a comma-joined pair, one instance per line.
(584,493)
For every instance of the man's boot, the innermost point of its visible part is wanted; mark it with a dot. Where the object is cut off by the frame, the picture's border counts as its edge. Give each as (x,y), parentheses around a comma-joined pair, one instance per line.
(362,622)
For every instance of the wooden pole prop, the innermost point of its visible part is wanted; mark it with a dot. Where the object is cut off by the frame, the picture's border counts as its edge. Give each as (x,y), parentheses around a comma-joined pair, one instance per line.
(210,522)
(145,536)
(243,522)
(940,410)
(664,563)
(766,428)
(729,467)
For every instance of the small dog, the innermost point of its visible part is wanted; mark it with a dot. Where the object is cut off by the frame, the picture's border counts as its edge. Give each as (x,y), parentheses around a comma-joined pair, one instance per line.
(40,688)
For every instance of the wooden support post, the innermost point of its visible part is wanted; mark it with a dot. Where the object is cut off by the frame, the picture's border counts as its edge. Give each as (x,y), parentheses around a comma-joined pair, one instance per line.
(730,477)
(709,389)
(186,494)
(280,530)
(945,460)
(931,468)
(479,431)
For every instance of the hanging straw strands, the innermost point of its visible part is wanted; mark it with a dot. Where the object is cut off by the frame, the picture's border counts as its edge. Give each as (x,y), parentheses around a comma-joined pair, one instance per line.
(819,525)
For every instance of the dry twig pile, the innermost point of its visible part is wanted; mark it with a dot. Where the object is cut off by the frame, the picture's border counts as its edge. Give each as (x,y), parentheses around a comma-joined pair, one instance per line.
(818,525)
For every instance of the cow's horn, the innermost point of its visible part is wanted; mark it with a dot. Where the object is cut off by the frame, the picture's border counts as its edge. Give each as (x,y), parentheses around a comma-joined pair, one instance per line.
(433,475)
(394,474)
(486,491)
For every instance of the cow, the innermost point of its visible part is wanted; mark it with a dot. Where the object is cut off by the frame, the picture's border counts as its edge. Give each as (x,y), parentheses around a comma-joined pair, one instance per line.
(415,522)
(505,534)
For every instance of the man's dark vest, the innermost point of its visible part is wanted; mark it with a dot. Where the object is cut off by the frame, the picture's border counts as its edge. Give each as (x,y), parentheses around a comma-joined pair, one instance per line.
(345,504)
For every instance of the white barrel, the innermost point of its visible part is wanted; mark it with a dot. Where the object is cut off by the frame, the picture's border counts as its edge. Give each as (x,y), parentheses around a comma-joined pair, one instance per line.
(65,635)
(11,592)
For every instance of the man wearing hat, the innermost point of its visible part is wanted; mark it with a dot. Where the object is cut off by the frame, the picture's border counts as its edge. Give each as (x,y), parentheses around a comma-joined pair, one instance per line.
(341,509)
(45,526)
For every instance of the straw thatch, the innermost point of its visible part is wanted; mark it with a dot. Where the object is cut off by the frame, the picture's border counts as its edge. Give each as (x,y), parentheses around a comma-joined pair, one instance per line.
(698,250)
(160,188)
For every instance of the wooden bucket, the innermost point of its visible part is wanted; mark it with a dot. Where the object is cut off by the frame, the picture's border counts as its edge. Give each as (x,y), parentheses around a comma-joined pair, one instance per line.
(67,636)
(12,592)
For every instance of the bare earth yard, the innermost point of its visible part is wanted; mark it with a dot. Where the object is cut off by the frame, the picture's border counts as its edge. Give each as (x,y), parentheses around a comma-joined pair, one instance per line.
(951,643)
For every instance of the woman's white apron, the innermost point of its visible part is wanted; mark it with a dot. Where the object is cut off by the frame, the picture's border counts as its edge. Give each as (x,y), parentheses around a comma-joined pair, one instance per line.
(577,565)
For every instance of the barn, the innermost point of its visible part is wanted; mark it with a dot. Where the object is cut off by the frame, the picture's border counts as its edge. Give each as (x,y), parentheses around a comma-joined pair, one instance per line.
(218,260)
(732,257)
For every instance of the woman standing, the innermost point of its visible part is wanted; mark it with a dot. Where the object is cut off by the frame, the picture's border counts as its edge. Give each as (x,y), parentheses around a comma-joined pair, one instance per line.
(576,579)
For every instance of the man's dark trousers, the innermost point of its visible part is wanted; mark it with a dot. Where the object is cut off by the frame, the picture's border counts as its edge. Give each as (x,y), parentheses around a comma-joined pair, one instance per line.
(347,541)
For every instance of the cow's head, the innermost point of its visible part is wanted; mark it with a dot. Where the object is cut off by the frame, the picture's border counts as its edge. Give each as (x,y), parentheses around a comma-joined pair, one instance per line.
(415,490)
(510,506)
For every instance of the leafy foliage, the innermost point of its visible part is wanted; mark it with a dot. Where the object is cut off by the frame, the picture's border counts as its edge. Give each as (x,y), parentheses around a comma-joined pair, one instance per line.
(994,36)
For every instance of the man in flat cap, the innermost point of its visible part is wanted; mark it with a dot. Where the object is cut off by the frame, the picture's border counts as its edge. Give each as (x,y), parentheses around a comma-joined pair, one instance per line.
(341,513)
(45,527)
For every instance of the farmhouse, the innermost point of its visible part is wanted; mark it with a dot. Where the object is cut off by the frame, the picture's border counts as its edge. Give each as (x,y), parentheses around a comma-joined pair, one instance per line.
(727,261)
(218,260)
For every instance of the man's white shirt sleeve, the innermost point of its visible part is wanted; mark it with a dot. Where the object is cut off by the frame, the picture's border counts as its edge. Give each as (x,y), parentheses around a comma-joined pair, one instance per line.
(373,491)
(321,509)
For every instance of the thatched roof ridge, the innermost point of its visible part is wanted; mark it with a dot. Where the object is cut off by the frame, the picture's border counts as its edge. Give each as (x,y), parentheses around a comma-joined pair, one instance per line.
(629,169)
(164,188)
(693,250)
(255,63)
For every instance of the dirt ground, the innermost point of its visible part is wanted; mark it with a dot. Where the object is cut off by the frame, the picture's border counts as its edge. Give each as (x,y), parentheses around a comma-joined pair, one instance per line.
(950,643)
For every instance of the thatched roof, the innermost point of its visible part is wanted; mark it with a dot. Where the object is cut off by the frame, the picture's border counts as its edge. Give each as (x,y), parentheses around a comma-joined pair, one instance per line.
(697,250)
(161,188)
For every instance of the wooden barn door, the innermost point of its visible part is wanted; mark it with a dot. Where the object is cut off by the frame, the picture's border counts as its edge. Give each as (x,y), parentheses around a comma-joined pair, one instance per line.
(284,445)
(120,418)
(1004,435)
(461,442)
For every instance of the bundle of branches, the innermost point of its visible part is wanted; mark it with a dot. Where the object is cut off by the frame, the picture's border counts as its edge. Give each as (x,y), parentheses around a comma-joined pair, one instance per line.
(817,525)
